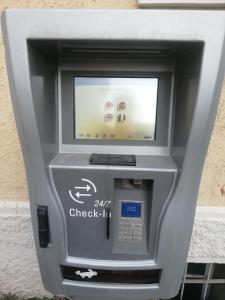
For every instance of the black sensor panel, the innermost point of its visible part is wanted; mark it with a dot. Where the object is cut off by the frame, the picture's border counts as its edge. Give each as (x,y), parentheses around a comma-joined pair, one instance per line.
(113,159)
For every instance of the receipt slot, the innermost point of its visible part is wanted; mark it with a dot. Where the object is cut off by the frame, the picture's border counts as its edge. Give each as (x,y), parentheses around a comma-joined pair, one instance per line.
(114,118)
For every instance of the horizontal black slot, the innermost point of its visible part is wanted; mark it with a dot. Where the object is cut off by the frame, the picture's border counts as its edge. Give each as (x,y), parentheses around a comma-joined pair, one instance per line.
(113,159)
(111,276)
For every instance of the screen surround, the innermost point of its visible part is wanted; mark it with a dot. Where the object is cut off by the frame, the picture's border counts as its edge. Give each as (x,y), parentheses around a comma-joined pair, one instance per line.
(67,110)
(112,108)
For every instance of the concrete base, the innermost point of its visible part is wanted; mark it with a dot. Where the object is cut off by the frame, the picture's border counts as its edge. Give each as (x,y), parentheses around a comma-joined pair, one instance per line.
(19,272)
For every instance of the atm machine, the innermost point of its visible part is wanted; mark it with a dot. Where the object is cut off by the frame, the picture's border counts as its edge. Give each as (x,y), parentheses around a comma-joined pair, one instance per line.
(114,110)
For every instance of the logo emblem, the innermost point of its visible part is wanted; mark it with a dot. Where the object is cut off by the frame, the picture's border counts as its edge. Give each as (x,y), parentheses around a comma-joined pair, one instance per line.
(80,192)
(89,274)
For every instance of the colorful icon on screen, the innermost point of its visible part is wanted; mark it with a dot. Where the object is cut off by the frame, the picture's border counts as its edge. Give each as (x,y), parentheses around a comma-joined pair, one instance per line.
(108,106)
(108,118)
(121,118)
(121,106)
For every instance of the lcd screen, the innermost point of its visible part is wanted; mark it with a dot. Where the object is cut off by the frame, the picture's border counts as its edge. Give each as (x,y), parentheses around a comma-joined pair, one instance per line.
(115,108)
(131,209)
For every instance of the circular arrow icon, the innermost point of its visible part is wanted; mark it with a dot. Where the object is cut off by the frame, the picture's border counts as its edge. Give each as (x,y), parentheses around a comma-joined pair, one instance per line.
(82,191)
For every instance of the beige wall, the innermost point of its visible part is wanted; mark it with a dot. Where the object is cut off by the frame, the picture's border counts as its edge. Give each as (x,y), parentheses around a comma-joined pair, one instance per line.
(12,175)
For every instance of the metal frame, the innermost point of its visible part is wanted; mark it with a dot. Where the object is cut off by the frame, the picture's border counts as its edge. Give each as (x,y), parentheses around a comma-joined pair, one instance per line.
(181,4)
(151,148)
(206,280)
(39,146)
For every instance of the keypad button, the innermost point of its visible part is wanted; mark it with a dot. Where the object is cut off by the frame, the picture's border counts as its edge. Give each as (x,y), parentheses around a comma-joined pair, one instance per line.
(137,237)
(130,229)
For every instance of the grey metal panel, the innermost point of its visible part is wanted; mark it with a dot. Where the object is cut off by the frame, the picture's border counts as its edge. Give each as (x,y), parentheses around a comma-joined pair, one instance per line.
(43,78)
(186,88)
(177,217)
(87,233)
(194,4)
(153,163)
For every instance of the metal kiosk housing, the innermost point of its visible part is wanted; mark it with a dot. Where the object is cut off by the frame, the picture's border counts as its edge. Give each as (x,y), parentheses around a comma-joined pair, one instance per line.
(44,50)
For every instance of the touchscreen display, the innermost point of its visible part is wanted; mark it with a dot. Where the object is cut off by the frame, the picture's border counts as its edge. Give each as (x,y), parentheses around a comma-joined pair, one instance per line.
(115,108)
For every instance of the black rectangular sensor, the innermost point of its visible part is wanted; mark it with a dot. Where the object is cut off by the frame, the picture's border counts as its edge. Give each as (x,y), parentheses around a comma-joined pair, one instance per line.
(113,159)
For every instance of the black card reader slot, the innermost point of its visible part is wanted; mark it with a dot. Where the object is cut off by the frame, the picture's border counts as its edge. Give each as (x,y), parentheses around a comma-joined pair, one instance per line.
(113,159)
(43,226)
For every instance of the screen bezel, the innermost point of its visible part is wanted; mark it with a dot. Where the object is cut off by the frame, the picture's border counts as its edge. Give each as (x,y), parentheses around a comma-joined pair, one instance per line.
(162,111)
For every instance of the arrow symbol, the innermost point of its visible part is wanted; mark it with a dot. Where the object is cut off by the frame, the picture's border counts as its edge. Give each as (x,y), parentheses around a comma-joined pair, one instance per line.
(82,195)
(87,187)
(74,199)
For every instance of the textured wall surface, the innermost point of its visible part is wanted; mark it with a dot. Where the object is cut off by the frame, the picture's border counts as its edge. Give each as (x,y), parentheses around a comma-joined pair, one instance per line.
(12,176)
(18,260)
(19,271)
(208,239)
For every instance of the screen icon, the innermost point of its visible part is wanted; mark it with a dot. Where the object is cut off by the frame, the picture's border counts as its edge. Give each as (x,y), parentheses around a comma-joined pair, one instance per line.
(108,106)
(108,118)
(121,106)
(121,118)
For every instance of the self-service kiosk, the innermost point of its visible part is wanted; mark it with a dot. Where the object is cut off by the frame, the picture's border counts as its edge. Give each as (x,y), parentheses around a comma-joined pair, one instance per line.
(114,110)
